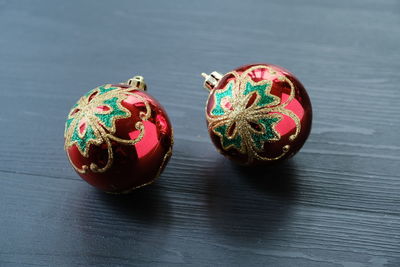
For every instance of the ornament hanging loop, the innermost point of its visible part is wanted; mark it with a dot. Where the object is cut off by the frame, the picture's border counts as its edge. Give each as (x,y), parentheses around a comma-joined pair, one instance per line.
(211,80)
(138,82)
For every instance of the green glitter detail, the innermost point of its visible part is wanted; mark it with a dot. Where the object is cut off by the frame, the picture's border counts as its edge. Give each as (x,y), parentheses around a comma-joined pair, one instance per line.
(107,119)
(236,142)
(218,110)
(68,123)
(82,142)
(103,90)
(260,89)
(269,133)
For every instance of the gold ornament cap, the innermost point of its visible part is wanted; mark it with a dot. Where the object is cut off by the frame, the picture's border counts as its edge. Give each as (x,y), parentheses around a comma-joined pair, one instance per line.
(138,82)
(211,80)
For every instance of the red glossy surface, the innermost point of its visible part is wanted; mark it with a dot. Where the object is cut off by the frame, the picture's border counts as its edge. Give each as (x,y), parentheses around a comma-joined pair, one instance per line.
(300,105)
(133,165)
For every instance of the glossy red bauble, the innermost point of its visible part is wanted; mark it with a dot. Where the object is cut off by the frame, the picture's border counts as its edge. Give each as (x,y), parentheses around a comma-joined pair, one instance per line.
(257,114)
(117,137)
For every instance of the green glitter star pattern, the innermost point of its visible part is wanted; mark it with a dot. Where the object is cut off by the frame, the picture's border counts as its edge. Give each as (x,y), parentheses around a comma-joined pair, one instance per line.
(107,119)
(261,91)
(249,106)
(93,122)
(103,90)
(68,123)
(219,110)
(97,119)
(268,132)
(226,142)
(245,113)
(82,142)
(264,98)
(100,90)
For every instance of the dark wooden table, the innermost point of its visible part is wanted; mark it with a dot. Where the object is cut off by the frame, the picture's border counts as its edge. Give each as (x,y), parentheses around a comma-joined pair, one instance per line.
(336,203)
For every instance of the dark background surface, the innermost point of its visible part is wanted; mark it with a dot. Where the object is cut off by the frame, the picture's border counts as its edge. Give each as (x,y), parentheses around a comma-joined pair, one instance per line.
(336,203)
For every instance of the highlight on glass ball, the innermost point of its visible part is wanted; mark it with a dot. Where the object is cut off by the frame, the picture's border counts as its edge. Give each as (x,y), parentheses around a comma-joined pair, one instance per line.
(117,137)
(257,114)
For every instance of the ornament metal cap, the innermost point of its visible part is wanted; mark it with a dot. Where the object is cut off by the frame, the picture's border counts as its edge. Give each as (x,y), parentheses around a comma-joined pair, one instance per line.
(211,80)
(137,81)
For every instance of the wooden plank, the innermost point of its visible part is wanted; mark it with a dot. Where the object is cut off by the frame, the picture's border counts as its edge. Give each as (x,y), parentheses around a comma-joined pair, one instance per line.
(336,203)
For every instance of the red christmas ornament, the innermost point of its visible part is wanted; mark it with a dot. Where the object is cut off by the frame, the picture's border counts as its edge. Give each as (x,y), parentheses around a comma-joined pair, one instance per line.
(257,114)
(117,137)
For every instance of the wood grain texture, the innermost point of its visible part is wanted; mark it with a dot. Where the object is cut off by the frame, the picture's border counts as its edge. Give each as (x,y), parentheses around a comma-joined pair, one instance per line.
(337,203)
